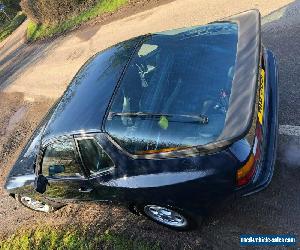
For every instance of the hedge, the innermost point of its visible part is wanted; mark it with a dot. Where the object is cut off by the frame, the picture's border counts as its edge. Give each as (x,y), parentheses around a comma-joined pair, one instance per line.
(54,11)
(11,6)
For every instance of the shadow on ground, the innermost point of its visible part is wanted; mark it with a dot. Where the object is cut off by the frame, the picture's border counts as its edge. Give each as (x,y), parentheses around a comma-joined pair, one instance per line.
(14,63)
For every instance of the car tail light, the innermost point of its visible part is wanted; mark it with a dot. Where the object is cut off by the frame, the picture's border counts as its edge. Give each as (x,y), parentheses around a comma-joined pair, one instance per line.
(245,173)
(253,153)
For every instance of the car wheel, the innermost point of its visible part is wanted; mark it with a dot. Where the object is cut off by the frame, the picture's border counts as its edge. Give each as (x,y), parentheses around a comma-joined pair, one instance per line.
(35,205)
(169,217)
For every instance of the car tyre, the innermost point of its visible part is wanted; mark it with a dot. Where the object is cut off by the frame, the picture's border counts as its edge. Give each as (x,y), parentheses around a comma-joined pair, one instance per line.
(170,217)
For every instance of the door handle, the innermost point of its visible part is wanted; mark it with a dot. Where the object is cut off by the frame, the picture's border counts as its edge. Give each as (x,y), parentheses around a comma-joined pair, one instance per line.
(85,190)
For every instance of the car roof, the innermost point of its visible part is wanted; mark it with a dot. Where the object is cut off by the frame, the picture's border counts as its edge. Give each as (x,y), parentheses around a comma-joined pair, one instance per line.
(84,104)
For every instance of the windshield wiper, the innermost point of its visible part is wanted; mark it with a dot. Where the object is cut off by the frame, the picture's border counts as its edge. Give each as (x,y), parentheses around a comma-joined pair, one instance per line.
(202,119)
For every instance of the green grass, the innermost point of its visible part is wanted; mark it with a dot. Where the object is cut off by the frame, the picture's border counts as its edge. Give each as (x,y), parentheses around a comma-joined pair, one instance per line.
(51,238)
(9,27)
(39,31)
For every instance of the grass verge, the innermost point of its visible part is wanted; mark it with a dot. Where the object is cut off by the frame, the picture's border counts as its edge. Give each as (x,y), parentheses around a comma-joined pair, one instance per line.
(39,31)
(9,28)
(54,238)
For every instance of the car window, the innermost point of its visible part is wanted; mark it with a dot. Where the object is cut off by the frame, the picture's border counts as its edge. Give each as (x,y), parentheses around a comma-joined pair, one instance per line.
(93,156)
(60,160)
(176,89)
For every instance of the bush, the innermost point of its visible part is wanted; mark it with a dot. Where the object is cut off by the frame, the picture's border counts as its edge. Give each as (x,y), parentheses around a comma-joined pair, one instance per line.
(12,7)
(37,30)
(54,11)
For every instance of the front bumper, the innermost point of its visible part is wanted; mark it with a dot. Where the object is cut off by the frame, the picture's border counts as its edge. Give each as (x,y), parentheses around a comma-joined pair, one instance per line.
(264,171)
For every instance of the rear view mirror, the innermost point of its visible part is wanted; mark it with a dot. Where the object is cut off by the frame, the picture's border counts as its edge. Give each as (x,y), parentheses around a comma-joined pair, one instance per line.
(56,169)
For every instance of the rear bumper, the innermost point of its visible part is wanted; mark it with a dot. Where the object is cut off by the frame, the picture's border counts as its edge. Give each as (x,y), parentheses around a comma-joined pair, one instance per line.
(264,172)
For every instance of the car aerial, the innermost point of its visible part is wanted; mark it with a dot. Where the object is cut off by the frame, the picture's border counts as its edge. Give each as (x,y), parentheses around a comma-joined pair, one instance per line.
(168,124)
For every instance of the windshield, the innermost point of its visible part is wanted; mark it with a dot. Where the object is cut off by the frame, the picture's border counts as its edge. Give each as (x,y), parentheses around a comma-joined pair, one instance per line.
(175,91)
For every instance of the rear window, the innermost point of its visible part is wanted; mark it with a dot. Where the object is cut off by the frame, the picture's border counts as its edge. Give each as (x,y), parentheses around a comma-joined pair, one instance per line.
(176,89)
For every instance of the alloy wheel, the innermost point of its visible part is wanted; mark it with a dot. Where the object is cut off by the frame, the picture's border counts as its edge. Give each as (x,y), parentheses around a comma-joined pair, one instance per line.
(35,205)
(166,216)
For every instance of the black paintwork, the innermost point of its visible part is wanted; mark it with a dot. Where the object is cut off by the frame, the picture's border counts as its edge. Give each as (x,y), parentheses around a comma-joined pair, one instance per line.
(188,181)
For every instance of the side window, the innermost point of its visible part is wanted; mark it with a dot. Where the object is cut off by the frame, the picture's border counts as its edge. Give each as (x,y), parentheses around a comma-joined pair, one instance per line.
(93,156)
(60,160)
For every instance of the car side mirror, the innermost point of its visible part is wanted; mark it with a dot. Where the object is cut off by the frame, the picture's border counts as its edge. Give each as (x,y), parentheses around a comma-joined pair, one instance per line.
(56,169)
(40,184)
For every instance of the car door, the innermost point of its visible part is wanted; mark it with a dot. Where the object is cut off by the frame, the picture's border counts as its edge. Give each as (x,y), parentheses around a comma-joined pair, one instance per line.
(99,165)
(61,165)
